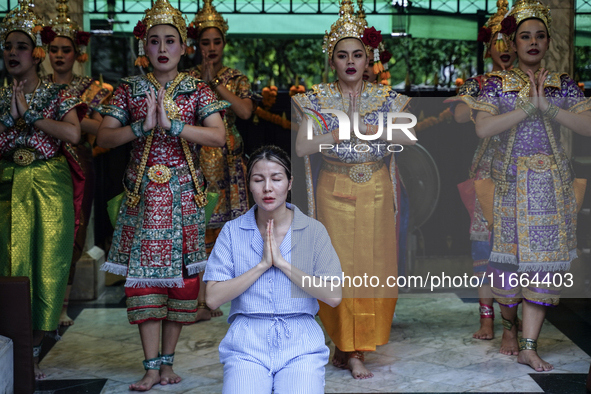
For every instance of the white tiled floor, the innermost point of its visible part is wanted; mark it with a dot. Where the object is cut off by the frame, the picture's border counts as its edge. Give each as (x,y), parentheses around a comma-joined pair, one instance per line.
(431,349)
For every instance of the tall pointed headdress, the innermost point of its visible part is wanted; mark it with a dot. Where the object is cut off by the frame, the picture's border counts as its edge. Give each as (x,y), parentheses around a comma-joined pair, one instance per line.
(361,12)
(66,27)
(527,9)
(161,13)
(372,39)
(349,25)
(493,30)
(24,19)
(208,16)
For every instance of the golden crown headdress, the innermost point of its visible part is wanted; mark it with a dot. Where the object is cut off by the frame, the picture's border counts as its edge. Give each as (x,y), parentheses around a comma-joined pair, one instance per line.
(24,19)
(527,9)
(361,12)
(372,39)
(161,13)
(208,16)
(349,25)
(63,26)
(493,30)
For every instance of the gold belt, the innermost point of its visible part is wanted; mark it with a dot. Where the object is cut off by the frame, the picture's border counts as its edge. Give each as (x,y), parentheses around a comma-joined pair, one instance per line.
(159,173)
(23,157)
(359,173)
(539,162)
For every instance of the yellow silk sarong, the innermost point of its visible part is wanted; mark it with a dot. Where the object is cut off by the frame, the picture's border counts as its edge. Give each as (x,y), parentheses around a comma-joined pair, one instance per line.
(37,232)
(360,220)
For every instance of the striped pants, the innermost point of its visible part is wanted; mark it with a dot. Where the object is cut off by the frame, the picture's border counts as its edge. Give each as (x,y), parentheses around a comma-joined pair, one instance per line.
(284,354)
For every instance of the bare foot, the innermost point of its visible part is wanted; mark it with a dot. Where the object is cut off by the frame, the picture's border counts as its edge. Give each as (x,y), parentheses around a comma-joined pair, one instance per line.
(339,359)
(531,358)
(509,342)
(167,375)
(38,372)
(65,320)
(486,329)
(358,370)
(151,377)
(203,314)
(217,312)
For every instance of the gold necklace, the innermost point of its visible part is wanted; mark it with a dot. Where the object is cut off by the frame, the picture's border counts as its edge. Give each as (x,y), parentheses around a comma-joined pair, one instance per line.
(71,79)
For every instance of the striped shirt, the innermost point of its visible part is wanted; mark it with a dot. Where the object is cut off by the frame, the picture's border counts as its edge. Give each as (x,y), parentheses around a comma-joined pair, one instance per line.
(239,248)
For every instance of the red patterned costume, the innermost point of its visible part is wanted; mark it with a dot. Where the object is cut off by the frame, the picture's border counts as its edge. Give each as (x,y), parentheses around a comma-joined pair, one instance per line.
(93,94)
(159,241)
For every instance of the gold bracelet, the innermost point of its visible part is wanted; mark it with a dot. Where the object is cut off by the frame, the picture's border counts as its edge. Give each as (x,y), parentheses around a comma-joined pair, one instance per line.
(214,83)
(527,107)
(551,111)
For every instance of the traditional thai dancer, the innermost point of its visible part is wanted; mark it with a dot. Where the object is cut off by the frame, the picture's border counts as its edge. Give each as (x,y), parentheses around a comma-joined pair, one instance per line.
(68,47)
(351,191)
(494,39)
(159,237)
(535,208)
(264,262)
(41,183)
(224,168)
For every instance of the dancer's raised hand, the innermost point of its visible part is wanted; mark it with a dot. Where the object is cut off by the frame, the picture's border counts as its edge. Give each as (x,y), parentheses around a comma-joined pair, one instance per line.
(151,119)
(543,102)
(533,88)
(21,102)
(163,119)
(13,107)
(206,68)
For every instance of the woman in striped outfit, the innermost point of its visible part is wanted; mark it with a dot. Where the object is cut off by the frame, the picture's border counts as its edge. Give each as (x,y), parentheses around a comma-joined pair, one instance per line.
(271,263)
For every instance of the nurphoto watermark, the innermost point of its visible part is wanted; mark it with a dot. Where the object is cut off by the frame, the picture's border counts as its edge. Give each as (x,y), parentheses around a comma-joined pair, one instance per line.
(345,130)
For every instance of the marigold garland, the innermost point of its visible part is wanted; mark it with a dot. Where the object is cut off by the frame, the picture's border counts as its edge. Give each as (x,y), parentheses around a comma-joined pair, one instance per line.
(269,96)
(431,121)
(273,118)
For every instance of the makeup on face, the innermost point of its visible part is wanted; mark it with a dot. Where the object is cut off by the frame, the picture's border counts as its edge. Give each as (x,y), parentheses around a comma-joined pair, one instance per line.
(18,54)
(349,59)
(211,43)
(62,54)
(164,47)
(531,42)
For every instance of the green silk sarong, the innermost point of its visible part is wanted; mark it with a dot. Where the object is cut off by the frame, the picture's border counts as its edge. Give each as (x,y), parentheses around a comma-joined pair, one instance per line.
(37,232)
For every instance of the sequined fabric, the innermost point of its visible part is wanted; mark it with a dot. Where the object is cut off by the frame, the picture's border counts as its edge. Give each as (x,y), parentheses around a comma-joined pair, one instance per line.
(156,303)
(52,102)
(481,162)
(359,217)
(165,232)
(535,222)
(37,219)
(37,232)
(87,89)
(91,93)
(224,168)
(376,98)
